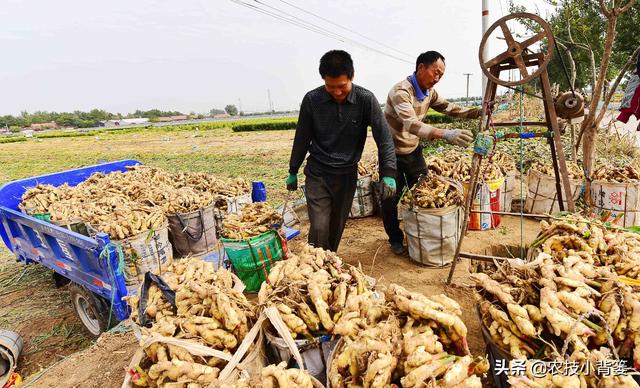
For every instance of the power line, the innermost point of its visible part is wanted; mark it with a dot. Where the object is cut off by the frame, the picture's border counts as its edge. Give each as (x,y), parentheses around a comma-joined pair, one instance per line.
(257,9)
(346,29)
(292,19)
(332,32)
(298,19)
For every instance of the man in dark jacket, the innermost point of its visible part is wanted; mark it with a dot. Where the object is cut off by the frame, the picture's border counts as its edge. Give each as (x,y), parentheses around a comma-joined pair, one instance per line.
(332,127)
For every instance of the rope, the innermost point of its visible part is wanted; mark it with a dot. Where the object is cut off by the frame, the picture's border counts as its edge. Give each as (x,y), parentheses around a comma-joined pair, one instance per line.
(120,328)
(583,317)
(105,255)
(520,129)
(492,129)
(521,90)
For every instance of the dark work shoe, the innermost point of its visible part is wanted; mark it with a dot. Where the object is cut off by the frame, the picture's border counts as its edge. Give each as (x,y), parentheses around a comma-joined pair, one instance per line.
(398,248)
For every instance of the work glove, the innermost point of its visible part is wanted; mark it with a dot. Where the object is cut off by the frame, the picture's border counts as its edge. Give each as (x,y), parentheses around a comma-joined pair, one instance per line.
(459,137)
(292,182)
(388,188)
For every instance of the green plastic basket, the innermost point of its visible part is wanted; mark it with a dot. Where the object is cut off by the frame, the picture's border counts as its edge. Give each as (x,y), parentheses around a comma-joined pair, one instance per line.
(42,217)
(78,227)
(252,259)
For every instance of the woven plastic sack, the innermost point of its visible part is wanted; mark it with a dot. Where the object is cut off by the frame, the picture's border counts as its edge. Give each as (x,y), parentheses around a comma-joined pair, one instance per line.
(252,259)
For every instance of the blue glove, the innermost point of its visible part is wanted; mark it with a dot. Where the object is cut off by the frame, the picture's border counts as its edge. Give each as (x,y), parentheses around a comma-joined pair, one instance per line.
(388,187)
(292,182)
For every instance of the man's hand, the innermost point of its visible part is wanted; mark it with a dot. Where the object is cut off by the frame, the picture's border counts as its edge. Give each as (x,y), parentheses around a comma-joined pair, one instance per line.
(459,137)
(292,182)
(388,188)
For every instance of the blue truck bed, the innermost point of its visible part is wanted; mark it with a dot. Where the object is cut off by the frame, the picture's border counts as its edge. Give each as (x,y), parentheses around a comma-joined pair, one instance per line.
(86,261)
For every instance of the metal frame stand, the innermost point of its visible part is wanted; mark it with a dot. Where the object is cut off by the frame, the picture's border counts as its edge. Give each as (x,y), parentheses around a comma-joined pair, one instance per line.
(516,57)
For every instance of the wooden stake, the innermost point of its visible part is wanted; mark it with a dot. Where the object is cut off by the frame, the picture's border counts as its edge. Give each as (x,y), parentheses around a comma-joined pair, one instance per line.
(560,162)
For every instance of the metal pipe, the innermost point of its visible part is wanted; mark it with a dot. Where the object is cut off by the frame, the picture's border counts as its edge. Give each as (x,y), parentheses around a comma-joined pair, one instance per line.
(511,214)
(524,124)
(487,258)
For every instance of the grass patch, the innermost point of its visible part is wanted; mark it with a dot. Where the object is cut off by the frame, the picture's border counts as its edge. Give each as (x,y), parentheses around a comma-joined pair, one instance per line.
(58,134)
(12,139)
(252,155)
(259,124)
(64,335)
(435,117)
(271,126)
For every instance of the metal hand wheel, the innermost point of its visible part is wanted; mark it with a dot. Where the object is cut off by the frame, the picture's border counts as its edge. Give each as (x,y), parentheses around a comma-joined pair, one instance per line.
(516,50)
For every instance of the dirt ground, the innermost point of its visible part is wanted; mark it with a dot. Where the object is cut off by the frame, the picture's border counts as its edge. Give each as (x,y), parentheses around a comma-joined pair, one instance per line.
(364,243)
(42,314)
(101,365)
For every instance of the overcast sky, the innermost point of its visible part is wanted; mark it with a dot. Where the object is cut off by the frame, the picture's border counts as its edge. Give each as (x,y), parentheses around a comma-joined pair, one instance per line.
(194,55)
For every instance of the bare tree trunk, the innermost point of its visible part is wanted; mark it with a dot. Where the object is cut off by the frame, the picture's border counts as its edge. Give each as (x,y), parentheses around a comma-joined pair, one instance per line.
(592,57)
(593,86)
(590,124)
(572,62)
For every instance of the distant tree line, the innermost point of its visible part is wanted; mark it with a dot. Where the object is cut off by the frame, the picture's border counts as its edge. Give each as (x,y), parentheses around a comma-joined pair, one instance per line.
(463,99)
(233,110)
(76,119)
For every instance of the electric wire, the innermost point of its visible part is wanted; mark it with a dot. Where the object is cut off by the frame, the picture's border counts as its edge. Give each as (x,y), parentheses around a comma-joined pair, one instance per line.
(346,28)
(259,10)
(329,31)
(292,19)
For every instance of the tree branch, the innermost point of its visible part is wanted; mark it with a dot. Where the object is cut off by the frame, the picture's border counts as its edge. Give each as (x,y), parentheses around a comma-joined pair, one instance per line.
(626,7)
(604,65)
(572,62)
(603,8)
(630,62)
(592,59)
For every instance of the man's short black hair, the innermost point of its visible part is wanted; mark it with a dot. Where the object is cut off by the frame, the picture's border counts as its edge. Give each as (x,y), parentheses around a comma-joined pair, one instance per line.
(427,58)
(336,63)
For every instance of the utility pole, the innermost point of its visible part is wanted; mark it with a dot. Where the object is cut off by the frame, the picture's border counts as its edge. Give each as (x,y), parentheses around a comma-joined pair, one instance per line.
(485,27)
(239,105)
(270,102)
(466,102)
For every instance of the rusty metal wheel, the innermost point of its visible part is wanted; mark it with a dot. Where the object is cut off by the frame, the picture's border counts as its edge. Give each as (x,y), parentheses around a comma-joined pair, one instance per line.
(516,51)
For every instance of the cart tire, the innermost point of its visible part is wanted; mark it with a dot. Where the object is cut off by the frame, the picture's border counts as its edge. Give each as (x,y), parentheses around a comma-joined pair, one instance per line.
(59,280)
(93,310)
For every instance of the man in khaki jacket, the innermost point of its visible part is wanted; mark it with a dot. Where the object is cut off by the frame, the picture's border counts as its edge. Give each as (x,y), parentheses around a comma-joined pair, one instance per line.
(407,105)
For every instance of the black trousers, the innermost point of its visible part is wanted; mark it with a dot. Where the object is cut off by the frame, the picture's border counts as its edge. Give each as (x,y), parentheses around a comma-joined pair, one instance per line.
(329,198)
(410,167)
